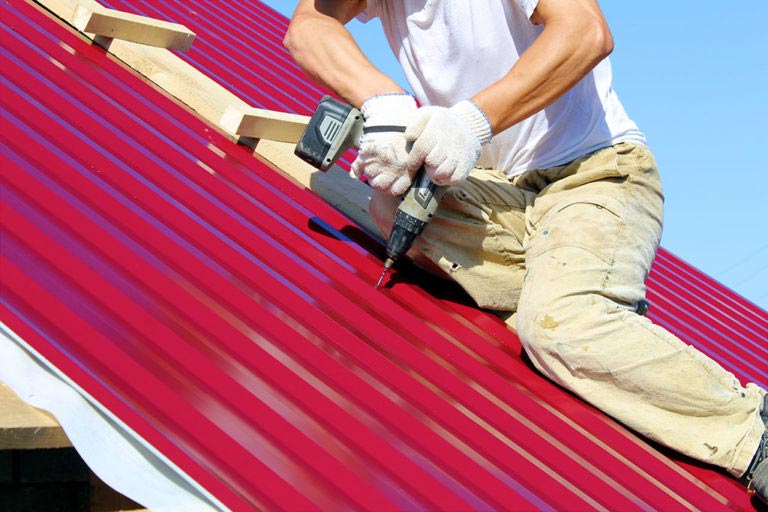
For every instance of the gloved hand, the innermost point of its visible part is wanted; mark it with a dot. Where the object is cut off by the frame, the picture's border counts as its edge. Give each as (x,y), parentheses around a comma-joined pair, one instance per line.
(382,156)
(447,141)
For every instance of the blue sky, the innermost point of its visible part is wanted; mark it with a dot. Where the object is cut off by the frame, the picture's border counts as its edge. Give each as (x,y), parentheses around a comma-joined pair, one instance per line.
(694,76)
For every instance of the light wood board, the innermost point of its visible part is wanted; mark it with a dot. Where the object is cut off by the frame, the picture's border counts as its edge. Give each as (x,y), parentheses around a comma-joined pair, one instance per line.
(131,27)
(25,427)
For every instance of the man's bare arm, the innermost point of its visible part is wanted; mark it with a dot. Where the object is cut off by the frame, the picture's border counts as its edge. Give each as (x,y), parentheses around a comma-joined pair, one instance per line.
(574,40)
(322,46)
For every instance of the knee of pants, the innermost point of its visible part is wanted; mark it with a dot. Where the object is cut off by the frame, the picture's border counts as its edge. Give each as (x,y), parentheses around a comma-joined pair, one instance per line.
(568,330)
(540,326)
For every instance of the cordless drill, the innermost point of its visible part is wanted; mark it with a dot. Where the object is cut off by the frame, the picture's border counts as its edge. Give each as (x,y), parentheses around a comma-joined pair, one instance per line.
(333,128)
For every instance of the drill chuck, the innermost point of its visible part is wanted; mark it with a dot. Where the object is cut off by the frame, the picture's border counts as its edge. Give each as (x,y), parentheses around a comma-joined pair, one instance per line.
(404,232)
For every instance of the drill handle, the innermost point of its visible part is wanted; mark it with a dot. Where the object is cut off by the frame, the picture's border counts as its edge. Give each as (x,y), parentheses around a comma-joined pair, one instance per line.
(413,214)
(422,198)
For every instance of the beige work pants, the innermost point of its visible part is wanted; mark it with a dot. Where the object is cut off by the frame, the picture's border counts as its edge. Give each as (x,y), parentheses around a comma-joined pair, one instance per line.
(565,252)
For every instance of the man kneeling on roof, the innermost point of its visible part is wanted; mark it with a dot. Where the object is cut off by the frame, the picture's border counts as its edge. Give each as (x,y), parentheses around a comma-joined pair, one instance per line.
(553,213)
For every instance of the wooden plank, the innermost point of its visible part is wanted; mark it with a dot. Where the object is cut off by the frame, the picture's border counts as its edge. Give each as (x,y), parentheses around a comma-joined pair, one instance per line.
(131,27)
(25,427)
(210,100)
(263,124)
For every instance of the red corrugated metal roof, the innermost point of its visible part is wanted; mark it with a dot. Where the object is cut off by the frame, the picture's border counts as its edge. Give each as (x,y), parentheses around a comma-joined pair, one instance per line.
(229,318)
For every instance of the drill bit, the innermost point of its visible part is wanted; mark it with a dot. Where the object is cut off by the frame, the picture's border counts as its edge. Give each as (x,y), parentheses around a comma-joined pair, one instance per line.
(387,265)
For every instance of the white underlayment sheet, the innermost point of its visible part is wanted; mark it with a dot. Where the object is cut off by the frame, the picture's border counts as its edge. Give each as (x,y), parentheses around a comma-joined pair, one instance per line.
(111,450)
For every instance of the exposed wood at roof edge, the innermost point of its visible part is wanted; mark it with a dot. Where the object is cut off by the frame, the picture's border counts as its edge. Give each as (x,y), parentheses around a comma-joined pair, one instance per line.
(23,426)
(210,100)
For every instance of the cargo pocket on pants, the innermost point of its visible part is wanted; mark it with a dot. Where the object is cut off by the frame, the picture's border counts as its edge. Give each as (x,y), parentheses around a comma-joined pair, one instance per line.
(476,238)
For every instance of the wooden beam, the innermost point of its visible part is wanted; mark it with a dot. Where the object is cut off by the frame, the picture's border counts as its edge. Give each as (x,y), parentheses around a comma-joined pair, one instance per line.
(114,24)
(263,124)
(25,427)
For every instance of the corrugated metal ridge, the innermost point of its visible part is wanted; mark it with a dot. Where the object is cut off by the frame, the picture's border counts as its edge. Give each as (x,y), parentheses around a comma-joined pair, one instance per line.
(732,331)
(163,268)
(730,310)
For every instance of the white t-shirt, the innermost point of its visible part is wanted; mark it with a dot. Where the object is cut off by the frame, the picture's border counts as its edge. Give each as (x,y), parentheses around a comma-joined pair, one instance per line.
(451,49)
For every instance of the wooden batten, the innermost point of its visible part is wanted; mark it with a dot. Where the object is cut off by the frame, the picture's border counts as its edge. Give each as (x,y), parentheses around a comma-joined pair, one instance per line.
(263,124)
(94,19)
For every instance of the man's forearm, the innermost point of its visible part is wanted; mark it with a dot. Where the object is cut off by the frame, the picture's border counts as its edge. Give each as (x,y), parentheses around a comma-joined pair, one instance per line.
(326,51)
(563,54)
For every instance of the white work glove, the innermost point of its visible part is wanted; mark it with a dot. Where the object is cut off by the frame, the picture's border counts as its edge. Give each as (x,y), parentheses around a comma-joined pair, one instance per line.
(382,155)
(447,141)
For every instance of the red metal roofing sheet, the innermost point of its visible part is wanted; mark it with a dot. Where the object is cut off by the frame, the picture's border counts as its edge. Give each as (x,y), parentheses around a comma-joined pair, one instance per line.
(229,317)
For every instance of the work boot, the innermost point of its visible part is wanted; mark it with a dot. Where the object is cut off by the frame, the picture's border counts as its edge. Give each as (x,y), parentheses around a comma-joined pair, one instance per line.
(756,476)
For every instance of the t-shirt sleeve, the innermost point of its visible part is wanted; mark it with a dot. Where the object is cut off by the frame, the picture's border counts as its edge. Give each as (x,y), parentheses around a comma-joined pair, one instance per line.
(528,6)
(371,11)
